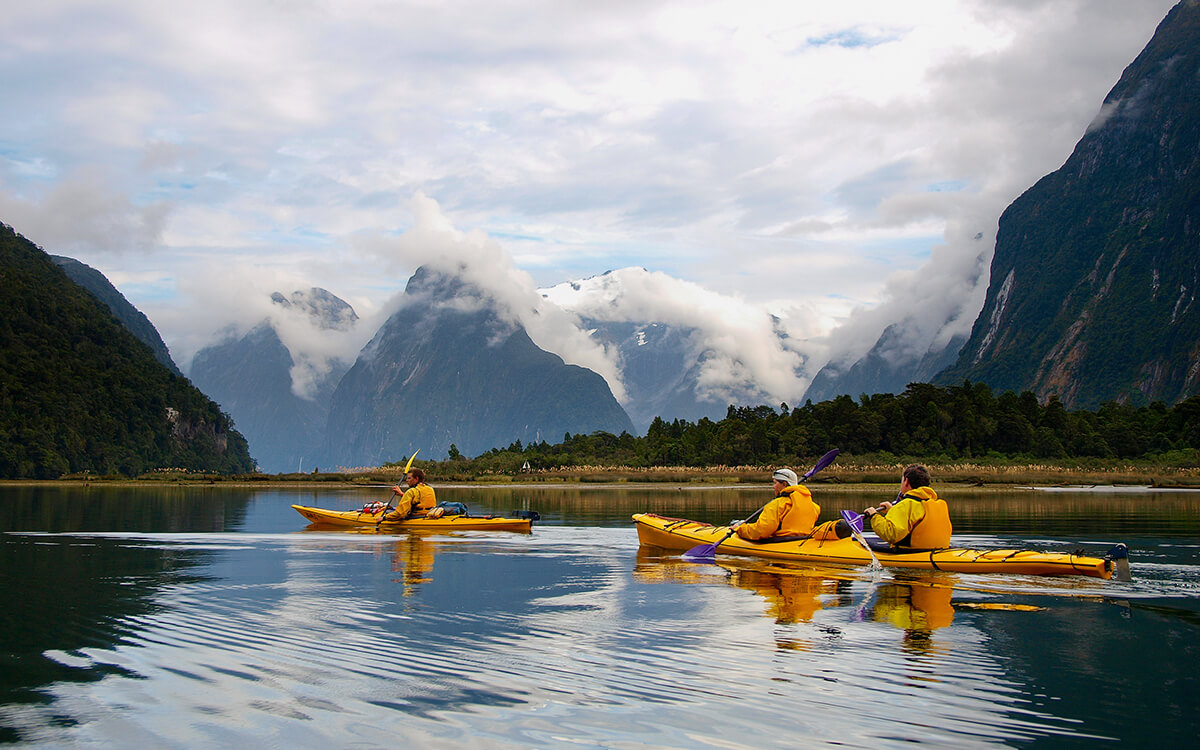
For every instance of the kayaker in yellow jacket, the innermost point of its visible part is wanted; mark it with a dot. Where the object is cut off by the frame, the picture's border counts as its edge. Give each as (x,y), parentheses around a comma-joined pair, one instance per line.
(417,500)
(918,519)
(791,513)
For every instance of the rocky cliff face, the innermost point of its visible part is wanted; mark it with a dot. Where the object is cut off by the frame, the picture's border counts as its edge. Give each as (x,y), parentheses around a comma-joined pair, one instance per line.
(1096,268)
(660,368)
(888,367)
(448,368)
(254,379)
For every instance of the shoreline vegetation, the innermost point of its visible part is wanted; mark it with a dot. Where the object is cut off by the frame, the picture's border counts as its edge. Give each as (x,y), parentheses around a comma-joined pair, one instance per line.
(849,472)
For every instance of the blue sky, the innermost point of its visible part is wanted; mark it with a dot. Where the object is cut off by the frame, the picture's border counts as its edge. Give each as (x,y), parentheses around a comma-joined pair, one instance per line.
(805,159)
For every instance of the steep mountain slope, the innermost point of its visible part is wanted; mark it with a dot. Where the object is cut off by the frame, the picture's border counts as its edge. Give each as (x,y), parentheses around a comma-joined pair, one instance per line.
(447,369)
(887,368)
(252,378)
(660,368)
(79,392)
(1094,277)
(683,352)
(132,318)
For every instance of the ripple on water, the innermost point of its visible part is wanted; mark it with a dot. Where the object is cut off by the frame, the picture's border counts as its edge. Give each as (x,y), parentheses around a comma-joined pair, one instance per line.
(324,640)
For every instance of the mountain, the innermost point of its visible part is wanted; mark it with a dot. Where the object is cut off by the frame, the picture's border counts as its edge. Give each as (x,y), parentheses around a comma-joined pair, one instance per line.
(888,367)
(131,317)
(255,379)
(1095,272)
(665,335)
(660,368)
(79,392)
(448,369)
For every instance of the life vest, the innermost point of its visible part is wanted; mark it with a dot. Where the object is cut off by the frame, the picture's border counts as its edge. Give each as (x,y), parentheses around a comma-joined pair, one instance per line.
(425,498)
(933,530)
(416,499)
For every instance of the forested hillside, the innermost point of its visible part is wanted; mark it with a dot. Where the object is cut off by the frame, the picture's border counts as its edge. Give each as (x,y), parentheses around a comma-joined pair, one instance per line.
(1094,277)
(80,393)
(129,316)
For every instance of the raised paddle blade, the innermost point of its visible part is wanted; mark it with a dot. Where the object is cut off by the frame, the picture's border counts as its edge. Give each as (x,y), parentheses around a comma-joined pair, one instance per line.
(825,461)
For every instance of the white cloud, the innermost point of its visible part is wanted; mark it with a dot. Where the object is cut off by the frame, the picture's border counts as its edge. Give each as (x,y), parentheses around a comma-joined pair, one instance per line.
(479,260)
(793,154)
(85,213)
(742,348)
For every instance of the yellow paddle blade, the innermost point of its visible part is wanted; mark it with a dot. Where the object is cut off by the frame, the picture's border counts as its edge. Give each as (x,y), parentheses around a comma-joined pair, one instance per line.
(410,460)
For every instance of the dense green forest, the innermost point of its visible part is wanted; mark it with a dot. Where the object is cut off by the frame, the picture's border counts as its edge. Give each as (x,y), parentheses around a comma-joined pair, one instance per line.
(80,393)
(966,421)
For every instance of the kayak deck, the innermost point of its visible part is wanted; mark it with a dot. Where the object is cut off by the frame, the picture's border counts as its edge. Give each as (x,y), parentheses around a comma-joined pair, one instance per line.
(358,518)
(682,534)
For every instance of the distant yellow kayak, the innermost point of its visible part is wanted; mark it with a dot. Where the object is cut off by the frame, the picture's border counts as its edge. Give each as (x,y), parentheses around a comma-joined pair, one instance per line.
(681,534)
(358,518)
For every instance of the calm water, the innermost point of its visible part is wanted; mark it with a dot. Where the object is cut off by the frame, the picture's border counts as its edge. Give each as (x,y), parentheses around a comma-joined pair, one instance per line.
(205,618)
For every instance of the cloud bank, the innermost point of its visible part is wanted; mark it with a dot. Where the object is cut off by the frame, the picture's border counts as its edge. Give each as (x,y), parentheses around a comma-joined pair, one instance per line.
(205,154)
(738,344)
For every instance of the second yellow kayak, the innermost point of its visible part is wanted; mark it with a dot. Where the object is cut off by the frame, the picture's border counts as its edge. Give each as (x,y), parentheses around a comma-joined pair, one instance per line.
(358,518)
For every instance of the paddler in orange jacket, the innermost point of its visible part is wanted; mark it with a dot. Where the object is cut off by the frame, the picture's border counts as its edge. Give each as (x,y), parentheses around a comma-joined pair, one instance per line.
(791,513)
(418,499)
(918,519)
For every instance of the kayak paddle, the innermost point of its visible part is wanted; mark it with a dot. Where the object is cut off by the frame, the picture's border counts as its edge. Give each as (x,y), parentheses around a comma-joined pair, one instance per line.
(383,513)
(708,552)
(855,522)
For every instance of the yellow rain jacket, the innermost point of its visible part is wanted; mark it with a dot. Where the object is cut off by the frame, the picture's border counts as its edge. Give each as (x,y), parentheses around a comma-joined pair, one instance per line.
(791,513)
(415,500)
(920,520)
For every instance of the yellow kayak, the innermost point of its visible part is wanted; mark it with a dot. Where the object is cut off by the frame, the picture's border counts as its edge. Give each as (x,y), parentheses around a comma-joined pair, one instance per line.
(358,518)
(681,534)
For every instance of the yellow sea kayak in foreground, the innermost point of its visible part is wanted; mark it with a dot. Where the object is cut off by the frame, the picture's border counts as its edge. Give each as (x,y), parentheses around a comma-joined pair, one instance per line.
(358,518)
(681,534)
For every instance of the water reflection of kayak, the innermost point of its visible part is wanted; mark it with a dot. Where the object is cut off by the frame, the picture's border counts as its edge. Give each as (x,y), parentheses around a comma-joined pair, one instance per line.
(681,534)
(358,518)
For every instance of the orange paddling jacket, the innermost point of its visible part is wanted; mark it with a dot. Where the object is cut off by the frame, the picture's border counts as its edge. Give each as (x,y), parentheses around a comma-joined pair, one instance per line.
(791,513)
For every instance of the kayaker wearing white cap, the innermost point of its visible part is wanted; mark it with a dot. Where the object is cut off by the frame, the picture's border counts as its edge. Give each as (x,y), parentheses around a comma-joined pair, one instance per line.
(791,513)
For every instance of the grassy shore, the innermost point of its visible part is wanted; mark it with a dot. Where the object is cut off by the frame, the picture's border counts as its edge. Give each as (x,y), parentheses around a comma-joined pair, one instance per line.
(845,471)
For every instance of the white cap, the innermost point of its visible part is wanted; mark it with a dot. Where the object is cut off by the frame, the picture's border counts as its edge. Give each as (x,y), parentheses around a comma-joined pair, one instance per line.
(787,476)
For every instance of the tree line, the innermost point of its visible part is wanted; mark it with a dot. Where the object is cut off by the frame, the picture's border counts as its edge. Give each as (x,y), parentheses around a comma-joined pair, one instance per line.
(966,421)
